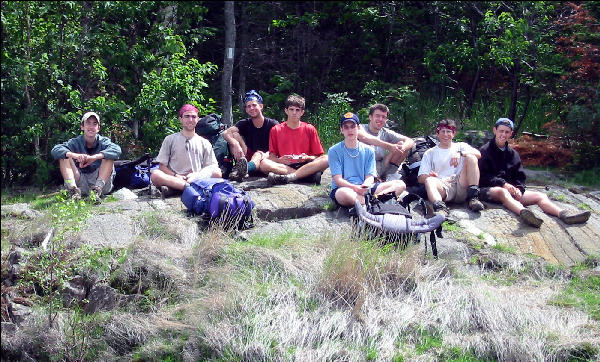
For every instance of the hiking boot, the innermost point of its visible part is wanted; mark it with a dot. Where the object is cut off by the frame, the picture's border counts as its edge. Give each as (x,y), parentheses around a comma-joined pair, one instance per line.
(166,192)
(275,179)
(240,170)
(74,193)
(574,217)
(317,177)
(95,194)
(440,208)
(475,204)
(530,218)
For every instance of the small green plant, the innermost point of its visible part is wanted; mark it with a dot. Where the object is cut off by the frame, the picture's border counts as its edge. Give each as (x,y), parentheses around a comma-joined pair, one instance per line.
(584,206)
(504,248)
(556,196)
(450,226)
(582,290)
(428,341)
(48,270)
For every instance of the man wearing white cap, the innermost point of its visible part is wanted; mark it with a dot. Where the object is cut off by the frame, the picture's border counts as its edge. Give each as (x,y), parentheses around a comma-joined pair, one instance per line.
(87,161)
(503,181)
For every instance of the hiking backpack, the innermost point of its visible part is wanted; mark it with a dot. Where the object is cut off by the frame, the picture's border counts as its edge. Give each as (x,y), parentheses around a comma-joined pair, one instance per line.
(387,204)
(211,128)
(412,163)
(217,199)
(134,174)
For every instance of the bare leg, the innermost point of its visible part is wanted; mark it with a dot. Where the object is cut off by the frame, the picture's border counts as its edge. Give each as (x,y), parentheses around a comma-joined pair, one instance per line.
(69,171)
(318,164)
(395,186)
(435,192)
(502,195)
(267,165)
(160,178)
(345,196)
(470,172)
(242,143)
(106,168)
(542,200)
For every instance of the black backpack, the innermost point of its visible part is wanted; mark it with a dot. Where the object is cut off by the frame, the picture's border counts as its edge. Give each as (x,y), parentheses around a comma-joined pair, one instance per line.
(387,204)
(133,174)
(410,166)
(211,128)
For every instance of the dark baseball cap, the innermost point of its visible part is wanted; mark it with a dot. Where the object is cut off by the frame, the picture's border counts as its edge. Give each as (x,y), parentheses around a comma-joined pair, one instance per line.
(349,117)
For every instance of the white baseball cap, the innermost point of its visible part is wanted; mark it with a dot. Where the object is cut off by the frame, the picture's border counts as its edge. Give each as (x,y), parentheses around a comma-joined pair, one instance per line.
(90,114)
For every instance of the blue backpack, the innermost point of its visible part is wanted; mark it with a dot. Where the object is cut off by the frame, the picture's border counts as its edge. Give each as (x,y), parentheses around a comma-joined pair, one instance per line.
(134,174)
(218,199)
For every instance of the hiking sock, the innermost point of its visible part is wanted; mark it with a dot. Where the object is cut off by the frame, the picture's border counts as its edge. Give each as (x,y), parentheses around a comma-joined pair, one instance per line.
(100,183)
(291,177)
(251,166)
(69,184)
(472,192)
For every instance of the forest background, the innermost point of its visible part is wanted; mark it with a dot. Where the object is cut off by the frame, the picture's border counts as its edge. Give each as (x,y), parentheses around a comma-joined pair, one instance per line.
(136,63)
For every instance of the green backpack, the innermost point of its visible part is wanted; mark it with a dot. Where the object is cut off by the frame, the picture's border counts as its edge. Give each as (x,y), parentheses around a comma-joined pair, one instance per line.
(211,128)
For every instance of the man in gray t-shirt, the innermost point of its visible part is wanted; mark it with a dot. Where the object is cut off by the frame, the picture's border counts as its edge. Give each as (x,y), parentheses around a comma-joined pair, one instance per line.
(184,156)
(391,148)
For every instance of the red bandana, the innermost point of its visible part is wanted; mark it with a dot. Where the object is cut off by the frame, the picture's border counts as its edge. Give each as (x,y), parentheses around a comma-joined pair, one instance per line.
(442,126)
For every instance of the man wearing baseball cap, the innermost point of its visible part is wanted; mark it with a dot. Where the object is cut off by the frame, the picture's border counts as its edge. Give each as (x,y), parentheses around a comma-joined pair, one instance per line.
(87,161)
(502,181)
(249,138)
(352,165)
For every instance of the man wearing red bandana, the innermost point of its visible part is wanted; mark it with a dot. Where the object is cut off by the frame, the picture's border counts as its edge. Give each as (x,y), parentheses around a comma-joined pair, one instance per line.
(450,171)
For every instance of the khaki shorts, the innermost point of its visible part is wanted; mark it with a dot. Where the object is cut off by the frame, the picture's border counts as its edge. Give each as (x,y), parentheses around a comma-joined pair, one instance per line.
(87,180)
(454,192)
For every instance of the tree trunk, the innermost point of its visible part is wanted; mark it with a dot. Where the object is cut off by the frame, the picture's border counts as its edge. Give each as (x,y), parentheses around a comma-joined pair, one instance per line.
(514,98)
(228,62)
(525,107)
(36,138)
(242,61)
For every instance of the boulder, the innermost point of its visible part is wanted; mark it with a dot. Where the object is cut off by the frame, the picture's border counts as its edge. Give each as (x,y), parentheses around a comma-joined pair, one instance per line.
(21,210)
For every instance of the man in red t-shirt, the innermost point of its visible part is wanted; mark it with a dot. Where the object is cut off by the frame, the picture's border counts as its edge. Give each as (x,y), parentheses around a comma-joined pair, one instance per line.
(295,150)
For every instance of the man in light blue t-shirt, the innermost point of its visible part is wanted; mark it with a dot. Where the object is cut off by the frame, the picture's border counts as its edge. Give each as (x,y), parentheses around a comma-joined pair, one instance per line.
(352,165)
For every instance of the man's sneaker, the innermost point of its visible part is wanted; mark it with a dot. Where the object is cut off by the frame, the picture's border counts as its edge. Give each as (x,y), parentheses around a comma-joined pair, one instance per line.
(530,218)
(74,193)
(166,192)
(574,217)
(275,179)
(440,208)
(475,204)
(317,177)
(240,170)
(95,193)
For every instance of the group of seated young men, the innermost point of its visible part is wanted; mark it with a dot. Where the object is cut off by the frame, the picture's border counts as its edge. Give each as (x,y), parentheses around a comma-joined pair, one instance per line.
(366,161)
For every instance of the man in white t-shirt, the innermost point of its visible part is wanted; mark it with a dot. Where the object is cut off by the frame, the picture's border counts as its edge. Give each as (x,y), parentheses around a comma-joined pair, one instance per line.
(450,171)
(184,156)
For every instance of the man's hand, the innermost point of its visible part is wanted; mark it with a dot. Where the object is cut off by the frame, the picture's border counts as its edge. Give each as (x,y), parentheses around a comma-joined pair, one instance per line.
(237,151)
(514,192)
(455,159)
(393,147)
(84,160)
(360,189)
(433,173)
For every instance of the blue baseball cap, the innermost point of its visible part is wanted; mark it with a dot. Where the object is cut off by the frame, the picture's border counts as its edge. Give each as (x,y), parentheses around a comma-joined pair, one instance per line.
(349,117)
(253,96)
(505,122)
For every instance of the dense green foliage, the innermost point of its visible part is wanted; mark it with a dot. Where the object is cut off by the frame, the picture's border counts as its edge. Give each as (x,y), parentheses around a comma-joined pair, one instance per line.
(136,63)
